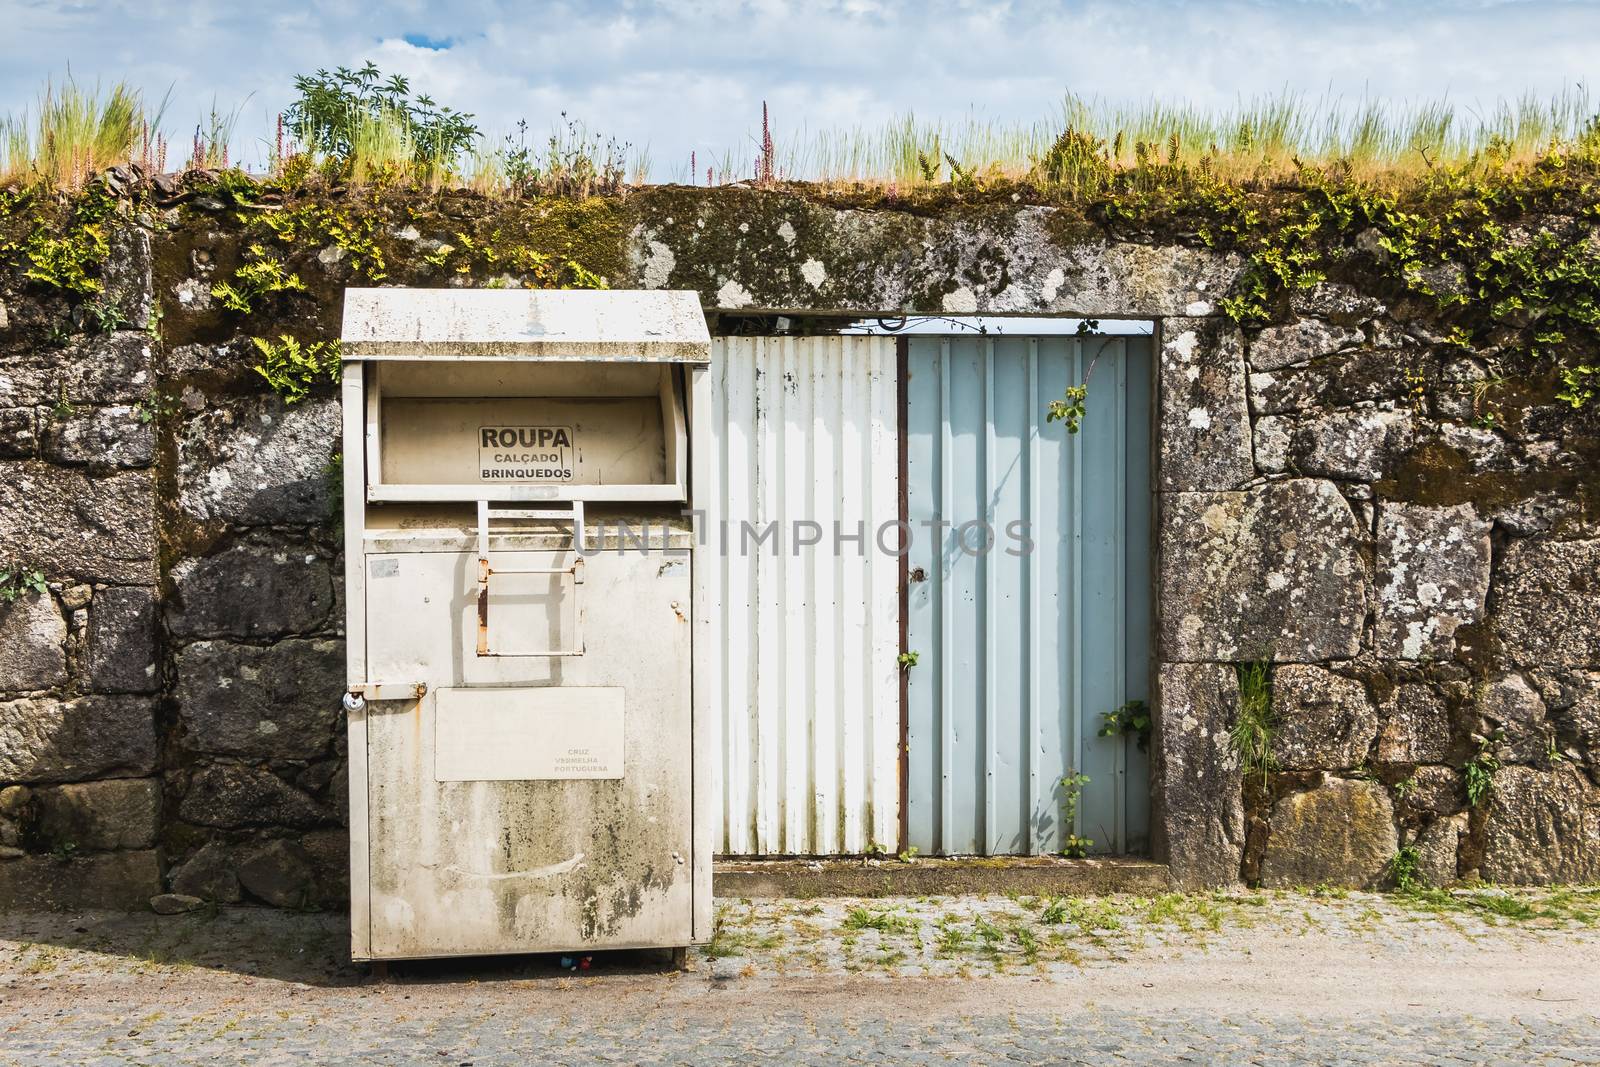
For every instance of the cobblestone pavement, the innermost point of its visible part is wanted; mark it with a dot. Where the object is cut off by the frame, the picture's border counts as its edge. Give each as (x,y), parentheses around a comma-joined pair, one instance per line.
(1256,978)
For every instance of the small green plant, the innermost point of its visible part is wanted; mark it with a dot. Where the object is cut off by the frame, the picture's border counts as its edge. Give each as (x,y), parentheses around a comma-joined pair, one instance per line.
(64,851)
(987,932)
(1132,718)
(1078,162)
(108,318)
(1070,409)
(1579,384)
(1027,941)
(1086,913)
(908,855)
(156,405)
(1402,870)
(63,408)
(1073,404)
(354,233)
(1073,846)
(882,920)
(952,939)
(1405,787)
(17,579)
(719,946)
(1253,728)
(293,369)
(907,659)
(260,275)
(518,163)
(1481,768)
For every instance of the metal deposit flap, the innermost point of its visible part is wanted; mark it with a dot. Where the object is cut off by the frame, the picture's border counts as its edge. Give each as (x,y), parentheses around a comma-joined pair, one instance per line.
(659,326)
(548,733)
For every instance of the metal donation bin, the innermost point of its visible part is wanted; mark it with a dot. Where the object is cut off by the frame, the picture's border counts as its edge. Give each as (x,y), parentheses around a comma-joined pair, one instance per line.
(522,739)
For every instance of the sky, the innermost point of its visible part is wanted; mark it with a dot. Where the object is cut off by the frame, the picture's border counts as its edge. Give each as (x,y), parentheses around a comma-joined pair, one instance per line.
(691,75)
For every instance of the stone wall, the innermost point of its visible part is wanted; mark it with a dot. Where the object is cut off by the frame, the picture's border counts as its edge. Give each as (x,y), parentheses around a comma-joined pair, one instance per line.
(1336,497)
(1421,570)
(169,713)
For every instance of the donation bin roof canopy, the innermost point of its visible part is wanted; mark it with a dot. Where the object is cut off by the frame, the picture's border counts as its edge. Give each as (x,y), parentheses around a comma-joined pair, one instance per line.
(653,326)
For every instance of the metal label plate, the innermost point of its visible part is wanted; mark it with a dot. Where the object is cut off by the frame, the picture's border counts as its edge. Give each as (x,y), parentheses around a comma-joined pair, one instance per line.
(528,734)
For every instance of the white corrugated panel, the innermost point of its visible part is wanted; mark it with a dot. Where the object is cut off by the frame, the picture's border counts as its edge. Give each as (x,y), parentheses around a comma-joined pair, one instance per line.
(808,634)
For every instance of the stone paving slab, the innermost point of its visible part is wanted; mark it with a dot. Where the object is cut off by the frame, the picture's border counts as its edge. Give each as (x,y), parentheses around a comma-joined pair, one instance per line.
(1287,977)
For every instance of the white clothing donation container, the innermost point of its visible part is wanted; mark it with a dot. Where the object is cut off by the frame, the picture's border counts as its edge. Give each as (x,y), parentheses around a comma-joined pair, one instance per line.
(526,769)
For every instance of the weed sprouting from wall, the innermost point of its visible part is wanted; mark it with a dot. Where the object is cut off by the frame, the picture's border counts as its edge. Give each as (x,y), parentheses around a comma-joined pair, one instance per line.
(261,275)
(293,369)
(573,163)
(1129,720)
(18,579)
(367,123)
(1404,869)
(1073,846)
(1255,724)
(1480,770)
(766,164)
(213,139)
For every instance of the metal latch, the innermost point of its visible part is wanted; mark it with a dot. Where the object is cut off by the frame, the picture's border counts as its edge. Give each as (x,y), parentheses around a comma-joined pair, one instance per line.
(572,514)
(356,697)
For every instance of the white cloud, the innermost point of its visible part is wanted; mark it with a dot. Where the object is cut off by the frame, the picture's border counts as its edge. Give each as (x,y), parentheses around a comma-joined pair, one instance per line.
(691,74)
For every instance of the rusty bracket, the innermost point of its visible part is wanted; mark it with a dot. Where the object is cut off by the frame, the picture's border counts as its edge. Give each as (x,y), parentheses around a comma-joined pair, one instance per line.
(574,516)
(390,690)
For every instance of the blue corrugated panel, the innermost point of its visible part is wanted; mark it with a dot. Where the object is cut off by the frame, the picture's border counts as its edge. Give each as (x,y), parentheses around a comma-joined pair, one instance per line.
(1021,653)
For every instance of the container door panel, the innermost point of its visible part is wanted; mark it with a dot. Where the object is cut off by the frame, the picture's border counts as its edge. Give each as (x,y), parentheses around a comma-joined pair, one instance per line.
(468,857)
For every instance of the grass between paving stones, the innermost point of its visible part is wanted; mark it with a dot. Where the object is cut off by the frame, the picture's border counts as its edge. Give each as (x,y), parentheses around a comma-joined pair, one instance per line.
(962,937)
(1564,906)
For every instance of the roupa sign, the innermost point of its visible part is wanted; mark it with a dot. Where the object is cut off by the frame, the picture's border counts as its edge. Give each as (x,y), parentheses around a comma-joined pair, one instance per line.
(525,453)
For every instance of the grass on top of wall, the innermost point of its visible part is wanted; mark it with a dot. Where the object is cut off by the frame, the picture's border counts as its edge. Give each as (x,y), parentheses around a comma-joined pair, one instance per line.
(1479,216)
(71,132)
(1259,138)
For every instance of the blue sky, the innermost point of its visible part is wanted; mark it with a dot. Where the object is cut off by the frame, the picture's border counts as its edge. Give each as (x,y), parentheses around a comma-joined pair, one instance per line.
(682,75)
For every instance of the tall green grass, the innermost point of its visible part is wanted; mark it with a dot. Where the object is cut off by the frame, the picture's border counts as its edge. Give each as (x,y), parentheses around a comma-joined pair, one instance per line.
(72,132)
(1258,136)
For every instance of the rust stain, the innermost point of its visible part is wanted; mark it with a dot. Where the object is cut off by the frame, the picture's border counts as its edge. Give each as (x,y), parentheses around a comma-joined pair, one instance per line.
(483,617)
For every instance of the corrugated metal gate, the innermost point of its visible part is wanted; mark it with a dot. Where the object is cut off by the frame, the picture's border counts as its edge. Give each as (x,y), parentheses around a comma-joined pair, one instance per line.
(1020,654)
(803,650)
